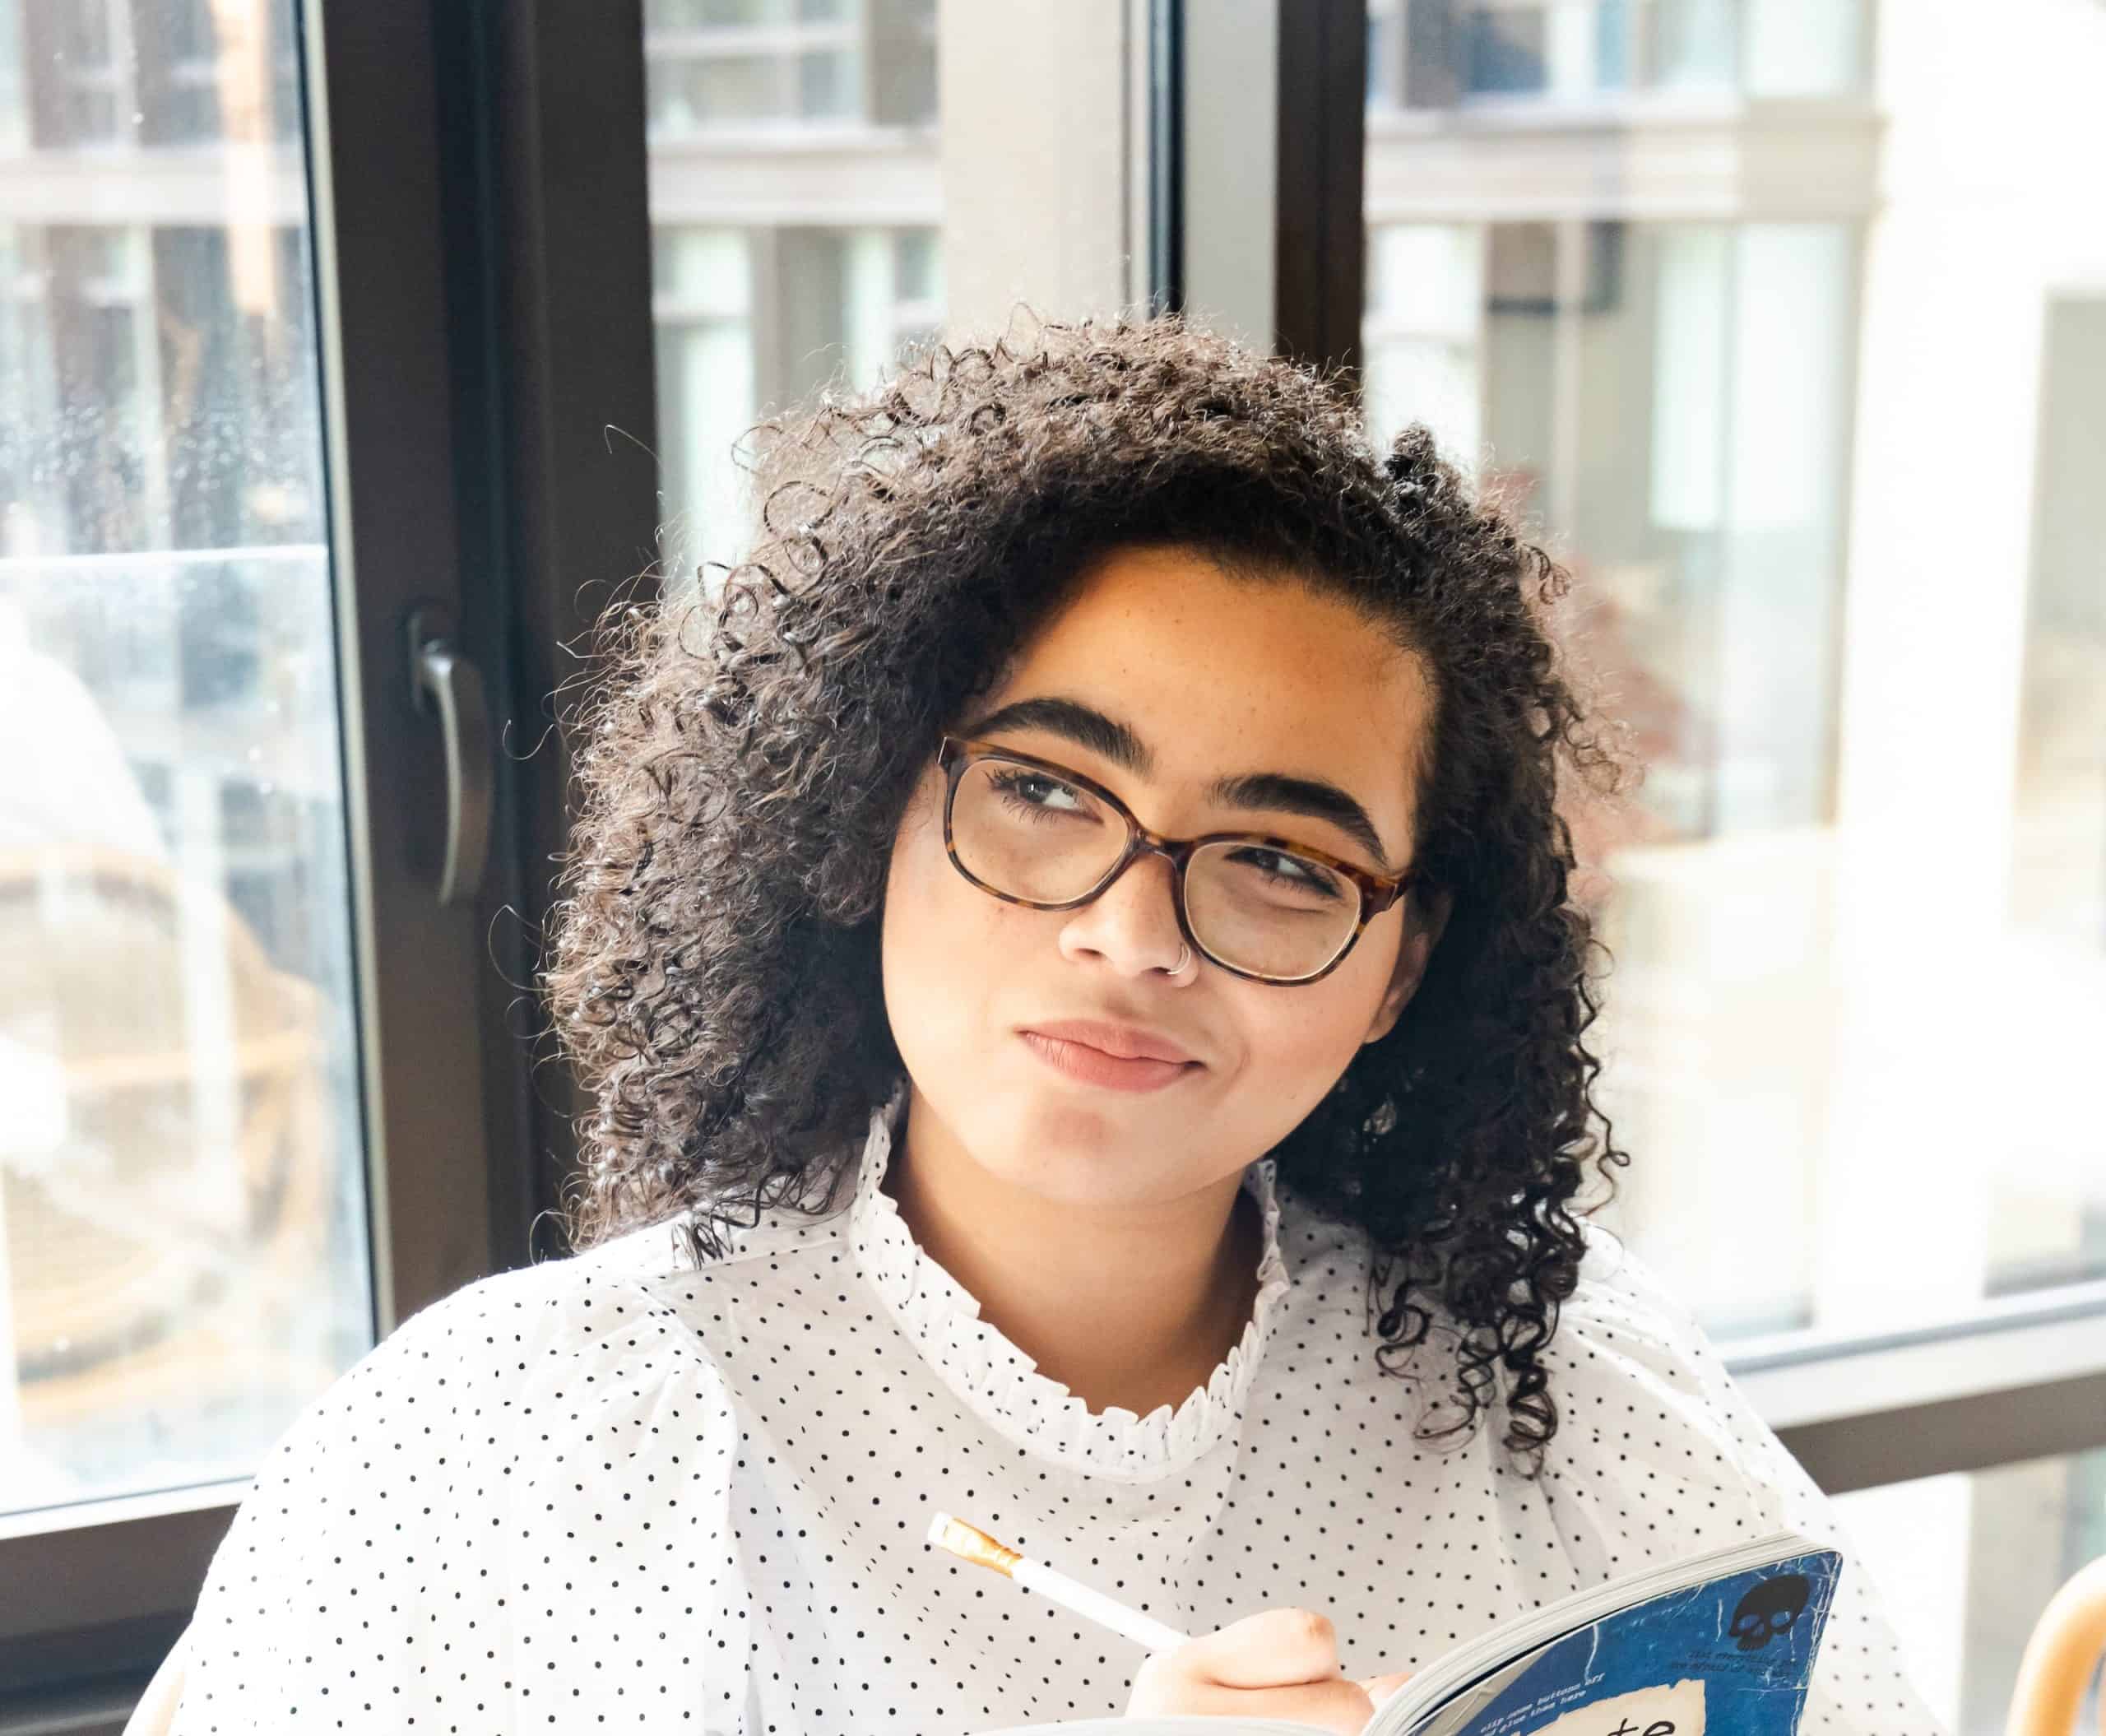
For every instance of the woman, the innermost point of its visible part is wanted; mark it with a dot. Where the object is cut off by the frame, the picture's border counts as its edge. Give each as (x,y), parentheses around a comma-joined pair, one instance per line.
(1072,951)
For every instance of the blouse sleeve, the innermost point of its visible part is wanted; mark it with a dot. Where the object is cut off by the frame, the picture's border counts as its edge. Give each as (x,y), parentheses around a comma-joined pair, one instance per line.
(1658,1452)
(455,1528)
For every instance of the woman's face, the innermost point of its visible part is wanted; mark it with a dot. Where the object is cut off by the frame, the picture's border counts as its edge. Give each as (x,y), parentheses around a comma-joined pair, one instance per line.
(1211,677)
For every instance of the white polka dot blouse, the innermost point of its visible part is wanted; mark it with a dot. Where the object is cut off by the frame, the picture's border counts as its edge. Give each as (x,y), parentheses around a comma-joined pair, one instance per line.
(620,1491)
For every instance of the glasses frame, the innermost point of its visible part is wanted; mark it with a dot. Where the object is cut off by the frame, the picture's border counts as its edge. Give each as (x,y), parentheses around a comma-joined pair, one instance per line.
(956,754)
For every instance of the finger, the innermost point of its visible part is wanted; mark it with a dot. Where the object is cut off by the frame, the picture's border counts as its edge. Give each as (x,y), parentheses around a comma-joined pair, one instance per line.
(1275,1648)
(1379,1688)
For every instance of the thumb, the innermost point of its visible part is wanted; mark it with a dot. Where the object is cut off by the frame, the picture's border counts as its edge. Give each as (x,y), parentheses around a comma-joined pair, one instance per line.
(1379,1688)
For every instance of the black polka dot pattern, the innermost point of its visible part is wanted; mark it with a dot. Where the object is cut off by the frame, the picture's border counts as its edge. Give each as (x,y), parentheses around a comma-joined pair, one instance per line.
(620,1492)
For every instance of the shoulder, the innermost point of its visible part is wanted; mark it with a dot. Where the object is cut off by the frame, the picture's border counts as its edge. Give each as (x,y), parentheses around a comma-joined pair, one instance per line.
(1621,1310)
(608,1313)
(594,1315)
(506,1369)
(483,1387)
(1657,1446)
(1625,1345)
(517,1435)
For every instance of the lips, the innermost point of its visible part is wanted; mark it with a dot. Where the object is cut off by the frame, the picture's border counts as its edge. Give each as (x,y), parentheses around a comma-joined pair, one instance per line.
(1123,1042)
(1120,1057)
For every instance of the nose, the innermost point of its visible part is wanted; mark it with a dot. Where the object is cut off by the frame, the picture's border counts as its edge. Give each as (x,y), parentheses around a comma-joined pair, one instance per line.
(1133,921)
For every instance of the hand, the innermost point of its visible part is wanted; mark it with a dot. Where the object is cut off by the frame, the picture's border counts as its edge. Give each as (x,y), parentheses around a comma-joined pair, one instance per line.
(1277,1664)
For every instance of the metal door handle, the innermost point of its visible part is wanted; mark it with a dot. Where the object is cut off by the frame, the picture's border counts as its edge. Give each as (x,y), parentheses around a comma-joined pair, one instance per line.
(441,678)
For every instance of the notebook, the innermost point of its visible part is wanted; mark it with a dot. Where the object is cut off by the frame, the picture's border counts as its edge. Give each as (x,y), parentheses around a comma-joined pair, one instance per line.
(1721,1644)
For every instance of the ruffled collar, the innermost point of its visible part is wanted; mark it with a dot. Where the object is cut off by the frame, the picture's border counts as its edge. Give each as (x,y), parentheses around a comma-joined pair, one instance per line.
(1002,1385)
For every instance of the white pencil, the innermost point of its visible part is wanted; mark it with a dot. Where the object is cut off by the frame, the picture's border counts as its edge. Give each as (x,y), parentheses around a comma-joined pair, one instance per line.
(969,1543)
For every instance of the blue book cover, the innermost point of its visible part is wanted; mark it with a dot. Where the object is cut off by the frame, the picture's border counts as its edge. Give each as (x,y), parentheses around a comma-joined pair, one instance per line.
(1730,1656)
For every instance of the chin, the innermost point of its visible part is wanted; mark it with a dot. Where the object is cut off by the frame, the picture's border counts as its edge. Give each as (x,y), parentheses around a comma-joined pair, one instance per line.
(1080,1152)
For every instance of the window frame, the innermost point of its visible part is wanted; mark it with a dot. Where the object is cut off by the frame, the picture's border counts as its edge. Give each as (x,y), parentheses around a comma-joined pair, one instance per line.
(497,256)
(1268,239)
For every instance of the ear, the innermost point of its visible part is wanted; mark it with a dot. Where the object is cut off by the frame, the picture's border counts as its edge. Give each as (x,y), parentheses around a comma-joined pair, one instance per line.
(1425,920)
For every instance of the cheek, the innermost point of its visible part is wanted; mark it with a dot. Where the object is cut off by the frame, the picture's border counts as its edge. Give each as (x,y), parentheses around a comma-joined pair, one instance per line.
(1298,1041)
(939,938)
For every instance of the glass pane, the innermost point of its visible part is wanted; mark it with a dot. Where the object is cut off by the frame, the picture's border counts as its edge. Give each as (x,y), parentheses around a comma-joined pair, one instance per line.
(811,209)
(1820,428)
(182,1217)
(756,308)
(1966,1563)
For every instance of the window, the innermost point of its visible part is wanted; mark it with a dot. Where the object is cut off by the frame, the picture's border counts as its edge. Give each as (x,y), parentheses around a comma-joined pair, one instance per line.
(219,827)
(1699,390)
(1813,417)
(811,200)
(843,62)
(847,301)
(180,1184)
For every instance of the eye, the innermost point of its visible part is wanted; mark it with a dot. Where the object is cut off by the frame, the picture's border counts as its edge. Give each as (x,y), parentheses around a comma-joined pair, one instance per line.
(1036,793)
(1282,870)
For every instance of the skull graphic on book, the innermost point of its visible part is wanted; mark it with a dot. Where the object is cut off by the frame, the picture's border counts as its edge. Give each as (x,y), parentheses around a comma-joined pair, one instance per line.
(1768,1610)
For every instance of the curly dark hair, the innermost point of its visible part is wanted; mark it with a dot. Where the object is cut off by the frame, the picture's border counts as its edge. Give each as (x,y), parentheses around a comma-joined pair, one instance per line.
(713,967)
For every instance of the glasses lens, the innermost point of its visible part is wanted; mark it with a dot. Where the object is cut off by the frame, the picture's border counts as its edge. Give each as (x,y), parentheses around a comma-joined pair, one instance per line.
(1028,834)
(1269,910)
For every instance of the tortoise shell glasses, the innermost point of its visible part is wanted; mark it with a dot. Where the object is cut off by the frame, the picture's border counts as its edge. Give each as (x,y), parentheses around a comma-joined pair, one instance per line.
(1313,911)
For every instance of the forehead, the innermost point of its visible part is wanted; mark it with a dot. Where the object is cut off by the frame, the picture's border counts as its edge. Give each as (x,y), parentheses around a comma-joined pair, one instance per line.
(1221,672)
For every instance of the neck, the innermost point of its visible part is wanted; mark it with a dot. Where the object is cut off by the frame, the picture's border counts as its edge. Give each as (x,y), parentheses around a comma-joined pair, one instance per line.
(1132,1306)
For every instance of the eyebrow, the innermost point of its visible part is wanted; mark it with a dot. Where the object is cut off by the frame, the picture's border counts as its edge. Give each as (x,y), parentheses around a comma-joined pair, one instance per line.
(1277,792)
